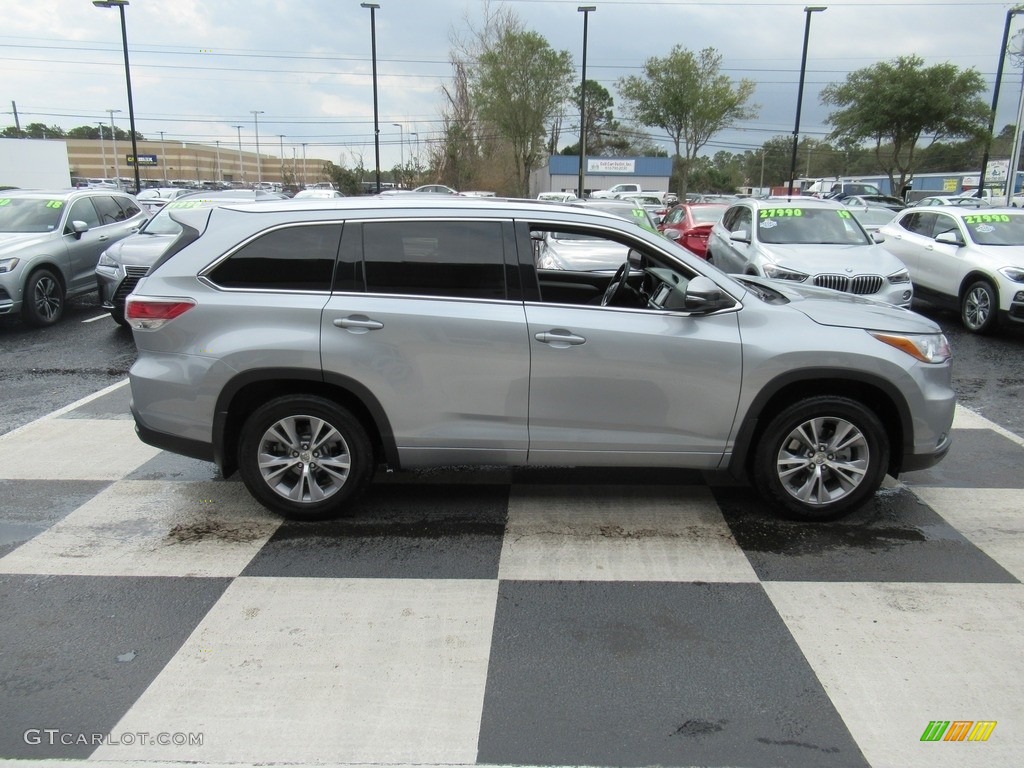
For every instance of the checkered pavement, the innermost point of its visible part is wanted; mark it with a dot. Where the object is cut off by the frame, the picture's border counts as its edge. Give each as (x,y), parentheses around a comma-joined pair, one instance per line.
(154,614)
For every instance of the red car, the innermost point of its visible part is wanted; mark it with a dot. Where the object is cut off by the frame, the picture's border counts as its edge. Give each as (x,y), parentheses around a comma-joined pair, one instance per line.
(689,224)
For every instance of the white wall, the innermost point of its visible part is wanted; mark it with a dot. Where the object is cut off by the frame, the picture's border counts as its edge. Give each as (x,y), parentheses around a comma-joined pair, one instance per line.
(34,164)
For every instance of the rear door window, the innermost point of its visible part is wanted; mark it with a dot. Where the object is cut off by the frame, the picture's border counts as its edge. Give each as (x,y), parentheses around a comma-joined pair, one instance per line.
(463,259)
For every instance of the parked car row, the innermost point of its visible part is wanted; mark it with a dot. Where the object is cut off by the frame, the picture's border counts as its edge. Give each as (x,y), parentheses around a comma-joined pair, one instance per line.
(58,245)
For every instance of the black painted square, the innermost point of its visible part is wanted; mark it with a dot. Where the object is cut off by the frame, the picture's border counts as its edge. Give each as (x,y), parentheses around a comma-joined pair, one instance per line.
(637,674)
(403,531)
(895,537)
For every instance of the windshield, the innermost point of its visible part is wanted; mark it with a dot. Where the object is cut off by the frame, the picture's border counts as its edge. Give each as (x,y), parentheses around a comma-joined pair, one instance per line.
(707,214)
(809,226)
(26,214)
(996,228)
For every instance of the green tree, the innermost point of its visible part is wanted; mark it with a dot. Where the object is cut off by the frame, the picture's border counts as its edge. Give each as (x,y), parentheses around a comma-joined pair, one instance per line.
(895,104)
(687,96)
(520,85)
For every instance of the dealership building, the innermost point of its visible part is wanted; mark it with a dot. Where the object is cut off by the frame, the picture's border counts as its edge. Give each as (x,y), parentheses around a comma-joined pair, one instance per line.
(562,172)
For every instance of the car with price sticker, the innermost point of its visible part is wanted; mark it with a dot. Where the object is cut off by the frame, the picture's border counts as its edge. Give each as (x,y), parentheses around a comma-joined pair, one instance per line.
(968,260)
(127,261)
(809,241)
(50,242)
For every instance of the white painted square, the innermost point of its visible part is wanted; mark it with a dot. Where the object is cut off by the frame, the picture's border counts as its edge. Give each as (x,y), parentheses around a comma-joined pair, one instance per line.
(991,518)
(74,449)
(894,657)
(152,528)
(619,533)
(326,671)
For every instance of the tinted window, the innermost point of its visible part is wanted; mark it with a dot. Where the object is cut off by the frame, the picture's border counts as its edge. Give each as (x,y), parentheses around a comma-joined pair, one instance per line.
(110,211)
(919,223)
(435,258)
(130,209)
(290,259)
(82,210)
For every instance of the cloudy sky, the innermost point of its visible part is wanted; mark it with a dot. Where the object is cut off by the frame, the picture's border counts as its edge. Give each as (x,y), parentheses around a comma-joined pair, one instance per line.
(200,67)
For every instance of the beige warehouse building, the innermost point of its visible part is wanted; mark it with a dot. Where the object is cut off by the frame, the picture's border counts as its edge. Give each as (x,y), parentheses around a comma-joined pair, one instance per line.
(187,161)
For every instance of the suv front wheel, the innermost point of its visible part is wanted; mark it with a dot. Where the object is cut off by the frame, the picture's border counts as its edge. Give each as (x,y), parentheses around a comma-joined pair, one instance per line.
(821,457)
(304,457)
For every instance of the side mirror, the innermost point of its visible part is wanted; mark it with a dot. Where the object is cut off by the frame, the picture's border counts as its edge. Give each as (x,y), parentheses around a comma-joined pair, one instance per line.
(703,295)
(740,236)
(877,237)
(636,259)
(79,228)
(950,238)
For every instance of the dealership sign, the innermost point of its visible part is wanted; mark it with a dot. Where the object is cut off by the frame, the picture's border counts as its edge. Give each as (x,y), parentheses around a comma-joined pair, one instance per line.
(610,165)
(143,159)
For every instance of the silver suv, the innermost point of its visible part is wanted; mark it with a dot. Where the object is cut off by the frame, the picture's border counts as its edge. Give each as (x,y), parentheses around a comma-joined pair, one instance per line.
(50,242)
(304,343)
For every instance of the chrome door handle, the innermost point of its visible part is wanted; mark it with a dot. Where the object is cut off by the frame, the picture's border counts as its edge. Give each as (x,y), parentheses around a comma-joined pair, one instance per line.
(560,339)
(358,323)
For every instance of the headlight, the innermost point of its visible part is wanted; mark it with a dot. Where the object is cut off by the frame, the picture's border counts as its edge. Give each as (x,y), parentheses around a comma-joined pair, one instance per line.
(928,348)
(106,261)
(7,265)
(775,272)
(903,276)
(1013,274)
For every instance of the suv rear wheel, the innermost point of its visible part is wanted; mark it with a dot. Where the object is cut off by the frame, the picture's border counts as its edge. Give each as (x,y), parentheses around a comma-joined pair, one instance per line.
(304,457)
(821,457)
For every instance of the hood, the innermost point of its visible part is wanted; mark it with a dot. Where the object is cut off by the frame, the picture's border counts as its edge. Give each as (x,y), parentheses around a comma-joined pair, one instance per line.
(816,259)
(845,310)
(140,249)
(12,243)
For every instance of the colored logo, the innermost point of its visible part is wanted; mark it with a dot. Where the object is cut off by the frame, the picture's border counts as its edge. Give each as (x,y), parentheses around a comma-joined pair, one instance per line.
(958,730)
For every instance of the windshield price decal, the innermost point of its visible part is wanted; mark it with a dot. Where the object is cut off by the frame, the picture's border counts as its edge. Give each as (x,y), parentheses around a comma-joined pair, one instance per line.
(771,213)
(185,204)
(5,201)
(986,218)
(54,203)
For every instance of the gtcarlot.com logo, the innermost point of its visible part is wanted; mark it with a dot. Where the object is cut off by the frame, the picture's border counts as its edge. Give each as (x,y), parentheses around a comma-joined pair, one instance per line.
(958,730)
(55,736)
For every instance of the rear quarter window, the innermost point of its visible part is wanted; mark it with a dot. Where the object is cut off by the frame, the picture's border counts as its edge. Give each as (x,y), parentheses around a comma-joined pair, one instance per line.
(296,258)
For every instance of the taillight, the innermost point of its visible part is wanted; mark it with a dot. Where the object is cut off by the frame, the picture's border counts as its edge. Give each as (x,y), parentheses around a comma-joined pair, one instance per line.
(149,314)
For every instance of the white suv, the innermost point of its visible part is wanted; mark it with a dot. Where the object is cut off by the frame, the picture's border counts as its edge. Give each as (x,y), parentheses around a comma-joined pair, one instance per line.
(810,241)
(966,259)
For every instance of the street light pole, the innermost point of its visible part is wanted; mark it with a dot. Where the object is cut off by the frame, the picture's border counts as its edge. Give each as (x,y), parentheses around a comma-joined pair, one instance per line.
(280,136)
(241,168)
(259,164)
(800,91)
(163,157)
(373,53)
(995,97)
(120,4)
(113,138)
(103,150)
(585,10)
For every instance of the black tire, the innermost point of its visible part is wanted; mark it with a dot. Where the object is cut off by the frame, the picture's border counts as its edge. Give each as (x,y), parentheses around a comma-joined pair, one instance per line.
(979,307)
(43,300)
(821,458)
(117,315)
(314,479)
